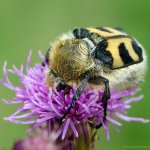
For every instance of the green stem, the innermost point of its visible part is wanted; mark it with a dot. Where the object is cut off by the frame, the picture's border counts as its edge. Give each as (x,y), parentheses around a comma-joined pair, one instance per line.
(86,140)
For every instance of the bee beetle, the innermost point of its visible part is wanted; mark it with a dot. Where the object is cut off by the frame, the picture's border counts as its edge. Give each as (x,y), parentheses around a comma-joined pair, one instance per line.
(100,57)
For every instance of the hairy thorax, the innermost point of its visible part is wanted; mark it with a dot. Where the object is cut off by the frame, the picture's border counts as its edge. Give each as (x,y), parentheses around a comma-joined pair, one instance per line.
(70,59)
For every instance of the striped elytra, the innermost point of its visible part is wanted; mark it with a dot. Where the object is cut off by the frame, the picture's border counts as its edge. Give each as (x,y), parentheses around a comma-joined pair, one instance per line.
(113,47)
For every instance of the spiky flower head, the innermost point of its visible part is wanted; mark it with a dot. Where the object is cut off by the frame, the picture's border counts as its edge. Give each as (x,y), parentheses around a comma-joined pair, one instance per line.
(40,104)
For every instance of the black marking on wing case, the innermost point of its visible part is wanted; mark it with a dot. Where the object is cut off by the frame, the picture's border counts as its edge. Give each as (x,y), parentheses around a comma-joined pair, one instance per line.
(103,29)
(118,36)
(81,33)
(124,54)
(104,56)
(137,49)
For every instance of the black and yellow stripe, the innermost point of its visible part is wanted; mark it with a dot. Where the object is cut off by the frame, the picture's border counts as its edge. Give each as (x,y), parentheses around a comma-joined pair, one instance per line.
(118,52)
(114,48)
(106,32)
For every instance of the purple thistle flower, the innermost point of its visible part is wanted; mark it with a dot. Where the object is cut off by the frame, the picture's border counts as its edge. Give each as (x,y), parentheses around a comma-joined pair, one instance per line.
(41,104)
(38,142)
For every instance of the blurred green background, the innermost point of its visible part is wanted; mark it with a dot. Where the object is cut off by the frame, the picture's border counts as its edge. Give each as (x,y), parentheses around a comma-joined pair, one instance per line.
(32,24)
